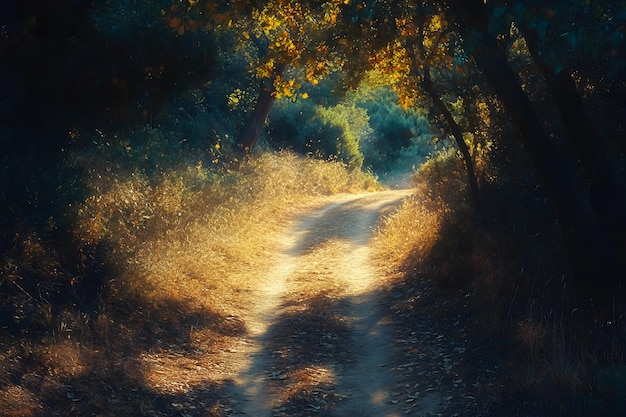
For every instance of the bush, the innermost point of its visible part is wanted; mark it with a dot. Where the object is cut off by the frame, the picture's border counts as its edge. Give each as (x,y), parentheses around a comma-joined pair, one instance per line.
(324,132)
(401,138)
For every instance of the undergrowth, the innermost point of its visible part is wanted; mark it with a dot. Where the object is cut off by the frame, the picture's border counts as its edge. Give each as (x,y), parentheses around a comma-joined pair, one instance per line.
(503,253)
(129,313)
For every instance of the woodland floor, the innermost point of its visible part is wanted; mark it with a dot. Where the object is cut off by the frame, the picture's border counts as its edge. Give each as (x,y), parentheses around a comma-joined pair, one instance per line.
(333,335)
(330,332)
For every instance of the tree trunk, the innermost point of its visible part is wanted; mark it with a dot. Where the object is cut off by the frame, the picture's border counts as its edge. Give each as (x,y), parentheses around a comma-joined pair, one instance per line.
(604,192)
(253,127)
(585,247)
(455,130)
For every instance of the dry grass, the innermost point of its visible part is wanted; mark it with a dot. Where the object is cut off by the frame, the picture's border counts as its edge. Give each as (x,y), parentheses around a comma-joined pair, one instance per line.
(406,238)
(184,238)
(169,265)
(503,257)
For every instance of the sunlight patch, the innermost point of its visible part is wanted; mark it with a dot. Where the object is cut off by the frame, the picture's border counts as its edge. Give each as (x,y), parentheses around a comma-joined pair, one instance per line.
(16,401)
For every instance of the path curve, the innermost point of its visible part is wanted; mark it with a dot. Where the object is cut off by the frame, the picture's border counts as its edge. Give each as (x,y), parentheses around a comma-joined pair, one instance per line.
(327,252)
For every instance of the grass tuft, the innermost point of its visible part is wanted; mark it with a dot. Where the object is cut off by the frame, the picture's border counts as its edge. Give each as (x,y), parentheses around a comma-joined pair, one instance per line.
(499,261)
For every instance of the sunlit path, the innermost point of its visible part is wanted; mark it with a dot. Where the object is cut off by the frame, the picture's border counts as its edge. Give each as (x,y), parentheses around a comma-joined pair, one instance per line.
(323,280)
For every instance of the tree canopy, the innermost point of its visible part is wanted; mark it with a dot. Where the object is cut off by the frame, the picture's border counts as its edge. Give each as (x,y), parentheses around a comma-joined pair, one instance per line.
(427,47)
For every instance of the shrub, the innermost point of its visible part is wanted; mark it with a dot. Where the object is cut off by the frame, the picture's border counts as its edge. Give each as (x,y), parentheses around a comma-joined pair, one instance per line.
(401,138)
(324,132)
(340,129)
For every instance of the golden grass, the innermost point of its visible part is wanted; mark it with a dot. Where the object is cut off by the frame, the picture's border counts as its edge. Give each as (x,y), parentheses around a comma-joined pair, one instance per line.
(496,256)
(406,237)
(179,255)
(204,244)
(412,230)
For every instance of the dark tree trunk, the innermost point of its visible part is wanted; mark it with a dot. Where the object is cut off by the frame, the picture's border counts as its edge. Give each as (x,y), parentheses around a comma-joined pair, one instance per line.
(455,130)
(253,127)
(587,249)
(454,127)
(604,193)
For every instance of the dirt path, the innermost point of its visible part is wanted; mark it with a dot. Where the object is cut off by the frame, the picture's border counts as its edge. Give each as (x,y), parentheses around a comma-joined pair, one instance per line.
(319,343)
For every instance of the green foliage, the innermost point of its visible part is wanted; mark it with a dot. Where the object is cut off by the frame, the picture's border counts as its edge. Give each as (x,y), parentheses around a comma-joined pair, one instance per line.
(332,132)
(287,124)
(339,130)
(366,128)
(401,138)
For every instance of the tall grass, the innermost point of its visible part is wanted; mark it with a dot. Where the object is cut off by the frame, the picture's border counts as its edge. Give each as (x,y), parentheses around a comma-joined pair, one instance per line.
(168,256)
(504,253)
(201,236)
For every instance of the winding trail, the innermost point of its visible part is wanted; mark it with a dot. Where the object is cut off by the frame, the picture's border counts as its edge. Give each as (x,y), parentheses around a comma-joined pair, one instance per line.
(319,345)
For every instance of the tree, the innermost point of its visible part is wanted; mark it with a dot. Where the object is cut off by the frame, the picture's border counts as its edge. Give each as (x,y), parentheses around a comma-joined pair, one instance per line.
(593,256)
(285,34)
(410,41)
(411,48)
(419,43)
(592,232)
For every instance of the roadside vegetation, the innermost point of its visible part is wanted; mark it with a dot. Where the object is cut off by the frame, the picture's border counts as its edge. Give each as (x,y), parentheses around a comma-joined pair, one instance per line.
(156,273)
(498,269)
(149,152)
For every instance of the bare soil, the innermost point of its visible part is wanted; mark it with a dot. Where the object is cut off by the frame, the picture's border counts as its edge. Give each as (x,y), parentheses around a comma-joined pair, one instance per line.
(329,332)
(321,342)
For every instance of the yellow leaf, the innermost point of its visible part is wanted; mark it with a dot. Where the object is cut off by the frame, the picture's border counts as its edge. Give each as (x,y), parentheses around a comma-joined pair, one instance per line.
(304,95)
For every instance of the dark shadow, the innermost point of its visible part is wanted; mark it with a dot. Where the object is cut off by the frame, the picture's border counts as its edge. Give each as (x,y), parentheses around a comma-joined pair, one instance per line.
(316,349)
(492,297)
(344,217)
(123,360)
(313,331)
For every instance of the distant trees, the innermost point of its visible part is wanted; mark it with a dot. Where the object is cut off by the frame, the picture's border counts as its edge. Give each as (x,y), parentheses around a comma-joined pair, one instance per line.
(459,54)
(277,35)
(364,129)
(402,137)
(571,161)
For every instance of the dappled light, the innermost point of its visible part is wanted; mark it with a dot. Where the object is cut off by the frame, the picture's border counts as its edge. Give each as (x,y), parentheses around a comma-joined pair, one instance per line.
(212,208)
(311,359)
